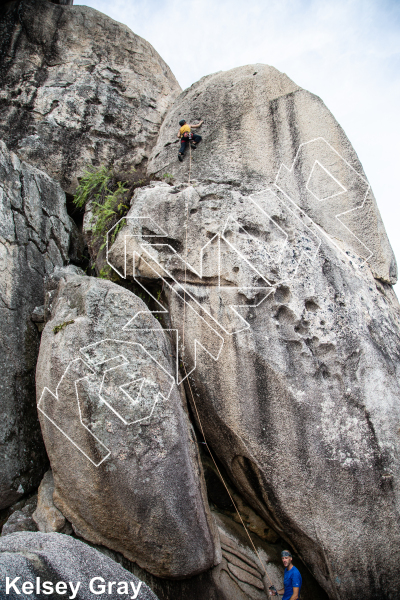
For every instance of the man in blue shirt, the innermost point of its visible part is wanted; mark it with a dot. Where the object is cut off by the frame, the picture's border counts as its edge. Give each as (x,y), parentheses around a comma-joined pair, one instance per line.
(291,581)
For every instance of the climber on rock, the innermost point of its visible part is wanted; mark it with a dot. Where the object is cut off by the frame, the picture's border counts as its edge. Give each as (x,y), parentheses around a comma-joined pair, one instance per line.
(291,581)
(186,137)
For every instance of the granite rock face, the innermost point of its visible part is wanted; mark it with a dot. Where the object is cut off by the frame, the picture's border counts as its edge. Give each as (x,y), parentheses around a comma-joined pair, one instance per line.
(35,233)
(288,328)
(274,273)
(54,558)
(262,130)
(124,460)
(78,88)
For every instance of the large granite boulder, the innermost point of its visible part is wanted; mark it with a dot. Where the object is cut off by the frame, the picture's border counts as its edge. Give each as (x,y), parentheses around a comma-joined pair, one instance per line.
(35,233)
(124,458)
(78,88)
(262,130)
(37,565)
(288,325)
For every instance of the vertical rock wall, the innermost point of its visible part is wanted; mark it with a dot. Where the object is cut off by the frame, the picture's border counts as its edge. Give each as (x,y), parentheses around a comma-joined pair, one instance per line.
(35,235)
(277,273)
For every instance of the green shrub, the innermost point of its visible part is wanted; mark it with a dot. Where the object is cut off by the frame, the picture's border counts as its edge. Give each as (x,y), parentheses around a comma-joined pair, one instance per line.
(93,183)
(106,213)
(109,194)
(109,197)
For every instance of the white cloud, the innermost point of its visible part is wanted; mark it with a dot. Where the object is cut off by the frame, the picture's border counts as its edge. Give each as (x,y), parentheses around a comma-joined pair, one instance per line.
(347,52)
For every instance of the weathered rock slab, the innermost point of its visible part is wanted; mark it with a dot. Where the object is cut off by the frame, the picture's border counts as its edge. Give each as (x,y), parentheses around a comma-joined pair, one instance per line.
(125,462)
(35,232)
(78,89)
(54,558)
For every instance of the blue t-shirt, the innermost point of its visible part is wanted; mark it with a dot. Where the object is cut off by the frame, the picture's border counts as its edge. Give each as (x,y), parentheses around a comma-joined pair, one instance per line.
(291,579)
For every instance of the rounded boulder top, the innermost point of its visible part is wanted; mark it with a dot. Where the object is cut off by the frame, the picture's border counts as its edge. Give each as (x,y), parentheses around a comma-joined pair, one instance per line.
(79,89)
(53,562)
(261,131)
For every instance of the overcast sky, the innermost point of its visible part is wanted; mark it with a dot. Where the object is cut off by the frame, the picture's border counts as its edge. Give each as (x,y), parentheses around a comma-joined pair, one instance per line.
(345,51)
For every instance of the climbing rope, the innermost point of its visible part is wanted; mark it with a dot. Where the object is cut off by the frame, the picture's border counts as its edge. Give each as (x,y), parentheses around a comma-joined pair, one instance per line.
(190,169)
(190,387)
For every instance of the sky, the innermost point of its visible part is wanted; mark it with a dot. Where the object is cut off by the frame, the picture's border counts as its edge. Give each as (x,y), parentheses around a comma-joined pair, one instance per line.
(345,51)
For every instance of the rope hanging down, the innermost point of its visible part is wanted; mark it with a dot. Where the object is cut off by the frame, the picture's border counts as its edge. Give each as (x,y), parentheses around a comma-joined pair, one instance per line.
(266,576)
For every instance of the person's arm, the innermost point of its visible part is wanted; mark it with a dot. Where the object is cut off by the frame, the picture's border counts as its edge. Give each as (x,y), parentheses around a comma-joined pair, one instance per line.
(295,594)
(196,126)
(280,592)
(179,134)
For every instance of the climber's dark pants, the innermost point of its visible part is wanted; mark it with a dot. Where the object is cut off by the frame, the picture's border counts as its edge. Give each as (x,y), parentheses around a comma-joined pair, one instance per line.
(184,142)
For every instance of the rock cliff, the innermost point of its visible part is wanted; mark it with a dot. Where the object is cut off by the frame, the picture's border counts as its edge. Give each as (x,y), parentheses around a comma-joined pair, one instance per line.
(250,332)
(78,89)
(35,236)
(263,130)
(276,272)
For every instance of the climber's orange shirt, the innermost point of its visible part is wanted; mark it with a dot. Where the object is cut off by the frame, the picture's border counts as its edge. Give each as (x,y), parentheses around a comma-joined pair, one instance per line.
(183,129)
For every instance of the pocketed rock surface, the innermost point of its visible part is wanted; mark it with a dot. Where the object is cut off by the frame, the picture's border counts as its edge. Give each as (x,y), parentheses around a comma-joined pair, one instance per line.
(78,89)
(291,328)
(123,455)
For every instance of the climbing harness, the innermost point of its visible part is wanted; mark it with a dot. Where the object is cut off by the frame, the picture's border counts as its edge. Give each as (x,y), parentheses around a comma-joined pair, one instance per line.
(266,576)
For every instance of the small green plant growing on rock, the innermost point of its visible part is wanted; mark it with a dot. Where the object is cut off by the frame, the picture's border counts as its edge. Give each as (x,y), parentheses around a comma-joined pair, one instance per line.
(109,193)
(109,201)
(92,184)
(168,177)
(108,273)
(105,213)
(58,328)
